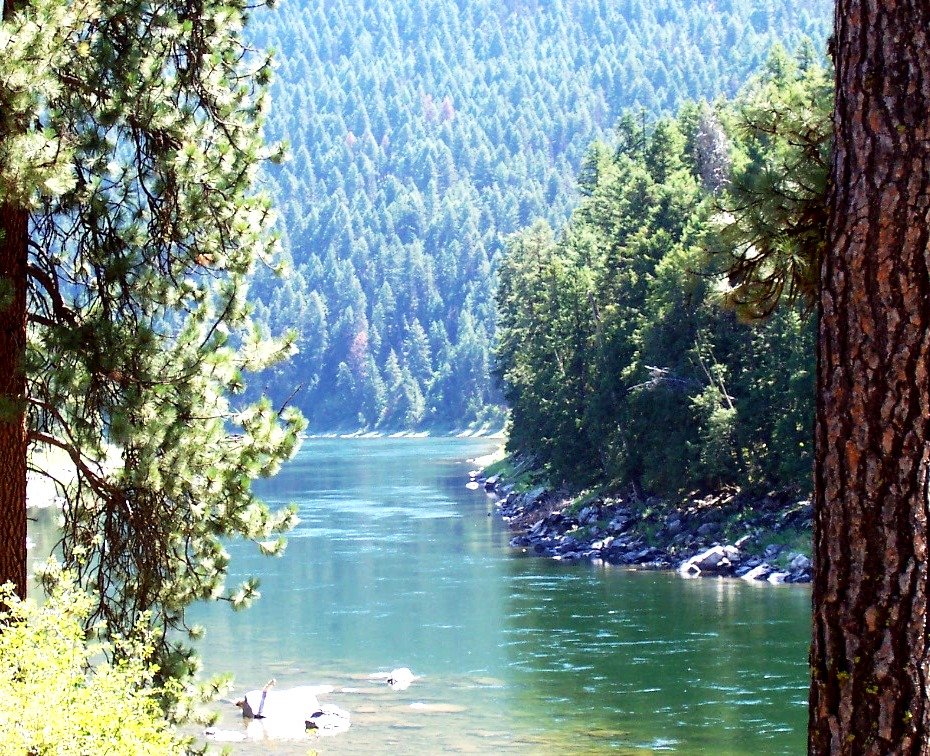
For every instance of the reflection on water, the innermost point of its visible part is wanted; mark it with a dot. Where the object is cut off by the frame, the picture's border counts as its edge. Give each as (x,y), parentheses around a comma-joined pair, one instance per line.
(396,563)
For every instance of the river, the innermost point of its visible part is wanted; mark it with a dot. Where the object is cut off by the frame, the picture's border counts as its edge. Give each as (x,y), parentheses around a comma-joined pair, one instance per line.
(395,563)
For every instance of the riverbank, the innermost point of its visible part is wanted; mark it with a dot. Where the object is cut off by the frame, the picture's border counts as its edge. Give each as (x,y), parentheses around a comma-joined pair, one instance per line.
(726,533)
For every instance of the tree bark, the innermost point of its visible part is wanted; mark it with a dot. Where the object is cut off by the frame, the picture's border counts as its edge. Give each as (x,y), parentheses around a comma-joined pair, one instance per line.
(14,252)
(13,439)
(869,656)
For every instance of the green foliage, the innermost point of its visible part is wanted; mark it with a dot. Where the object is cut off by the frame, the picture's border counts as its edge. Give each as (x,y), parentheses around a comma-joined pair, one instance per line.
(775,211)
(34,46)
(615,353)
(521,474)
(56,698)
(424,133)
(135,142)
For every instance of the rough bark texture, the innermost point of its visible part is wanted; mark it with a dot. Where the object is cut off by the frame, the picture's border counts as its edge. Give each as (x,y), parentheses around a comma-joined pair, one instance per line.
(869,658)
(13,441)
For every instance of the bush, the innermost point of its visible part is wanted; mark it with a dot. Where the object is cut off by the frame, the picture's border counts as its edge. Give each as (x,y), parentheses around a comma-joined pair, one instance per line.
(54,700)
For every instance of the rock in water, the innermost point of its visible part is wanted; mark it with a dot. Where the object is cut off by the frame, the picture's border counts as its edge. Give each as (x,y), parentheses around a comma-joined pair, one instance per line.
(400,678)
(286,714)
(329,720)
(295,703)
(759,572)
(224,736)
(717,560)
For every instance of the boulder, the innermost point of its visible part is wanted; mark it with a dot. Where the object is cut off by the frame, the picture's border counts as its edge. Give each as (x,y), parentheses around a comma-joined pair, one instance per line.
(759,572)
(533,496)
(746,565)
(648,554)
(295,703)
(619,524)
(798,563)
(286,714)
(400,678)
(716,560)
(329,720)
(771,551)
(588,515)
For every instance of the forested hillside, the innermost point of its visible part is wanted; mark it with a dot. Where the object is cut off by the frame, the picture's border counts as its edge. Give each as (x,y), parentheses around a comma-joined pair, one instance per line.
(621,347)
(425,131)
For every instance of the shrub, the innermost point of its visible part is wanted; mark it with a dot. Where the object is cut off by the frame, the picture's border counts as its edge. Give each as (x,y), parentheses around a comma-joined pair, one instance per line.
(57,698)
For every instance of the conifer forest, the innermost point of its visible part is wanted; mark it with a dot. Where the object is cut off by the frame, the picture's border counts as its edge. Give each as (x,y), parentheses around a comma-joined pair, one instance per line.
(422,134)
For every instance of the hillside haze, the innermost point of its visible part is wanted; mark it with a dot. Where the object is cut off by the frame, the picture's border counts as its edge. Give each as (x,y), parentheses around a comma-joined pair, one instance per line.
(423,132)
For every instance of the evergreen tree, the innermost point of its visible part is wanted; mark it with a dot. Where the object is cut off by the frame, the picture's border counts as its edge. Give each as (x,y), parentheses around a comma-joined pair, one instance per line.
(870,653)
(617,358)
(144,227)
(416,152)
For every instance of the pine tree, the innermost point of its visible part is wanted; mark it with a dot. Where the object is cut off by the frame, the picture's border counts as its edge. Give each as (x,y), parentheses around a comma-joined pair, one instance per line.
(870,652)
(131,136)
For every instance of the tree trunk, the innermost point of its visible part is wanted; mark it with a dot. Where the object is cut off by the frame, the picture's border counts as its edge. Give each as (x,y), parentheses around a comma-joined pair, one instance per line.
(869,657)
(13,441)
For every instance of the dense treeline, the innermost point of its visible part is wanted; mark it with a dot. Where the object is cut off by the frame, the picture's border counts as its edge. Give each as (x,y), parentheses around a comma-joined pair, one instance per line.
(422,133)
(624,350)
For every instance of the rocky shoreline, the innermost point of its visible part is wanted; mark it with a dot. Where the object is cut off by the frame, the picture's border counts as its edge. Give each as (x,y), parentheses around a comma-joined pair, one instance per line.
(724,534)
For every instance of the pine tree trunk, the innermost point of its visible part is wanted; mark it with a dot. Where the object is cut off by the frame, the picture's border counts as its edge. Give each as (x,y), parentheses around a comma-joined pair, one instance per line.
(869,657)
(13,441)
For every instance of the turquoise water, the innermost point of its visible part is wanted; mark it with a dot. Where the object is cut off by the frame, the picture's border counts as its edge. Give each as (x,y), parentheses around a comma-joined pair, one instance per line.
(396,563)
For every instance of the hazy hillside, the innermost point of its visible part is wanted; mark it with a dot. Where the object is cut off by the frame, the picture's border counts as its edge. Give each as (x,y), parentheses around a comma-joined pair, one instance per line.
(425,131)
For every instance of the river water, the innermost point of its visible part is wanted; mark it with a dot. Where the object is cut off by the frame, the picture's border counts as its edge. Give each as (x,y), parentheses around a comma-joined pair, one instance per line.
(395,563)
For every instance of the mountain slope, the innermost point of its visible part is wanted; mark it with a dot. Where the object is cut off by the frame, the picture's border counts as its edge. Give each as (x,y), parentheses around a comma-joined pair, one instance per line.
(425,131)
